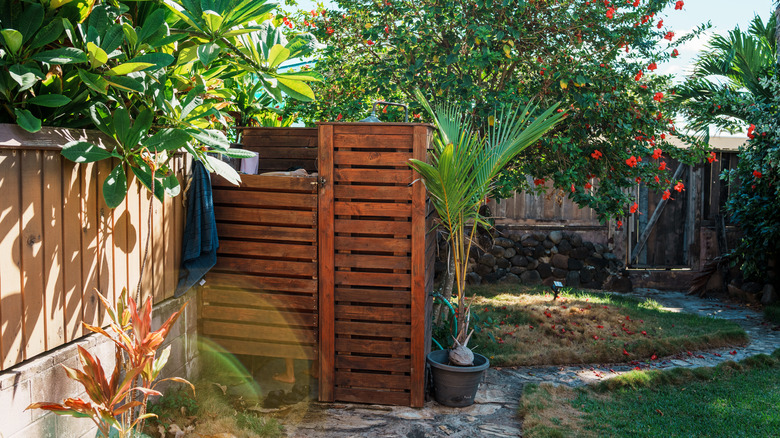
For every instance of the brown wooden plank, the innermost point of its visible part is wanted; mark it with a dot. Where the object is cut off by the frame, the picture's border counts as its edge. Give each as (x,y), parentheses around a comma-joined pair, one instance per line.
(383,193)
(373,363)
(373,329)
(105,231)
(371,133)
(347,345)
(278,267)
(259,316)
(344,278)
(89,244)
(377,244)
(183,168)
(266,182)
(254,299)
(419,295)
(11,304)
(157,250)
(71,249)
(397,398)
(382,209)
(360,226)
(32,253)
(372,261)
(146,234)
(264,199)
(373,296)
(372,380)
(373,313)
(395,176)
(326,265)
(265,216)
(52,249)
(254,348)
(242,231)
(169,279)
(371,158)
(255,332)
(134,241)
(303,285)
(286,152)
(121,220)
(265,249)
(285,165)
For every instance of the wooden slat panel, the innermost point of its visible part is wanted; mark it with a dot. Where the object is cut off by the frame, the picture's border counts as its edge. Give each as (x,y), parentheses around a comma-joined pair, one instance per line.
(89,243)
(264,182)
(134,241)
(381,209)
(372,134)
(371,380)
(157,250)
(265,216)
(243,248)
(261,317)
(376,244)
(326,265)
(372,396)
(267,349)
(289,152)
(373,313)
(347,345)
(372,158)
(11,310)
(263,199)
(121,222)
(373,363)
(373,175)
(373,329)
(253,299)
(52,249)
(373,296)
(71,247)
(217,280)
(240,231)
(419,295)
(359,226)
(169,228)
(32,253)
(372,279)
(372,261)
(256,266)
(389,193)
(105,230)
(254,332)
(147,286)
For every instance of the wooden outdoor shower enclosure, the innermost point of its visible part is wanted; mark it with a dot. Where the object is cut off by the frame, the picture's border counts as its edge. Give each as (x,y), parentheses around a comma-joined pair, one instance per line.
(336,267)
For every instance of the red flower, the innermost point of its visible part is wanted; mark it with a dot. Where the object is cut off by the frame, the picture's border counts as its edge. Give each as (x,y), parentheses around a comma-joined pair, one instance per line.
(631,162)
(750,134)
(661,24)
(733,352)
(652,66)
(638,179)
(625,352)
(657,154)
(658,96)
(636,3)
(712,157)
(638,75)
(572,187)
(662,166)
(588,186)
(619,225)
(679,187)
(669,35)
(633,208)
(653,357)
(539,181)
(387,29)
(679,5)
(596,154)
(675,53)
(666,195)
(339,117)
(329,30)
(757,174)
(644,332)
(610,13)
(657,180)
(369,42)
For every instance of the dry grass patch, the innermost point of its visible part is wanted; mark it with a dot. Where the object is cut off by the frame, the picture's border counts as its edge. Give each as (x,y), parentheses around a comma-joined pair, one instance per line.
(547,411)
(526,327)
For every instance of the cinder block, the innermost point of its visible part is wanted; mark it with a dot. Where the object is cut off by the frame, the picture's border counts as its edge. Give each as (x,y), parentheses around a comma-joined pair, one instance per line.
(14,400)
(69,427)
(44,427)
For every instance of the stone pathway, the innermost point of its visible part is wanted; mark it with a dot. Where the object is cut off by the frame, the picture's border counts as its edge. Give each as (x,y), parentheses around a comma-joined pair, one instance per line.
(494,412)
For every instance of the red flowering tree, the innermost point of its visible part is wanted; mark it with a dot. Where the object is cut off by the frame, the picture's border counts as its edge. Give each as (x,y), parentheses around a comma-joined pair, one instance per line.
(595,57)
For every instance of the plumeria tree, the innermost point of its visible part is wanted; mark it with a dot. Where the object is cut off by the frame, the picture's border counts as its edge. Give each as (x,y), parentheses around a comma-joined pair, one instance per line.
(598,58)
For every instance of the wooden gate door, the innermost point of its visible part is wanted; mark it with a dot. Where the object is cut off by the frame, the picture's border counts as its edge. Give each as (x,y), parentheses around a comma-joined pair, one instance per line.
(372,273)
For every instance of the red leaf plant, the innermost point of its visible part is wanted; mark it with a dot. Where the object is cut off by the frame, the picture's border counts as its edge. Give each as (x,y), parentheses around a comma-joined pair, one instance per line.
(119,403)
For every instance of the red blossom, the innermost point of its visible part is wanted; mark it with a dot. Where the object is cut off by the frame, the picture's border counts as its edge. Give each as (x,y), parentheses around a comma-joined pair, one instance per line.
(652,66)
(369,42)
(675,53)
(633,208)
(669,35)
(679,5)
(712,157)
(572,187)
(638,179)
(658,96)
(638,75)
(666,195)
(539,181)
(625,352)
(596,154)
(657,153)
(653,357)
(636,3)
(610,13)
(619,225)
(631,162)
(657,180)
(757,174)
(588,186)
(339,117)
(662,166)
(660,24)
(750,134)
(679,187)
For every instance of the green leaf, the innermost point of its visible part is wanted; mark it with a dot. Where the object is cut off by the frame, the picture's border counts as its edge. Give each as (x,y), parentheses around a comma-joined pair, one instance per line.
(171,185)
(140,127)
(145,176)
(23,76)
(122,126)
(50,100)
(208,53)
(48,34)
(160,60)
(27,121)
(130,34)
(128,67)
(115,186)
(152,25)
(126,83)
(101,117)
(93,81)
(212,138)
(213,20)
(13,39)
(97,56)
(30,21)
(277,55)
(112,38)
(307,76)
(84,152)
(63,55)
(223,169)
(168,139)
(239,153)
(296,89)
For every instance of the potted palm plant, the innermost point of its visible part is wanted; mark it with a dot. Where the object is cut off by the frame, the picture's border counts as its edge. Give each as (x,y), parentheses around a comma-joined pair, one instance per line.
(459,178)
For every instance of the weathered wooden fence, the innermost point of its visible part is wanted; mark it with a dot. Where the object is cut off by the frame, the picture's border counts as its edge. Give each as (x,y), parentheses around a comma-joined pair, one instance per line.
(59,242)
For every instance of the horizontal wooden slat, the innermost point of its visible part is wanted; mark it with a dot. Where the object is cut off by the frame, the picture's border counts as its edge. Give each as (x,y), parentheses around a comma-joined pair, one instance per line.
(373,176)
(267,182)
(343,243)
(344,278)
(373,261)
(256,266)
(265,249)
(254,348)
(373,329)
(244,231)
(265,199)
(285,152)
(371,158)
(371,131)
(260,317)
(286,165)
(372,313)
(373,209)
(345,345)
(255,299)
(371,380)
(382,193)
(303,285)
(372,396)
(360,226)
(373,296)
(267,216)
(374,363)
(254,332)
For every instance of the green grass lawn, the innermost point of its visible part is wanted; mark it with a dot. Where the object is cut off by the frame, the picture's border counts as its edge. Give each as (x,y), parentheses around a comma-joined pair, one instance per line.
(526,327)
(772,313)
(730,400)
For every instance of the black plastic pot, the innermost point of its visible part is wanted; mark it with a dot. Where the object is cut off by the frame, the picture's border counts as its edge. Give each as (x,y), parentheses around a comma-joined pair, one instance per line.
(453,385)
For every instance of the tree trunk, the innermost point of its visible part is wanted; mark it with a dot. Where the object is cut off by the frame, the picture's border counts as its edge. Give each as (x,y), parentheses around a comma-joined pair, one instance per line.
(446,291)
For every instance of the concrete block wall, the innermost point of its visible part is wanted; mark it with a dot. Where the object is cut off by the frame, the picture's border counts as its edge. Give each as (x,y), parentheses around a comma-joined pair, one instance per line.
(43,379)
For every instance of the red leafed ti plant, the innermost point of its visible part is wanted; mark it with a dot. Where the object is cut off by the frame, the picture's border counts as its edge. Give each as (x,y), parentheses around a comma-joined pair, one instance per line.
(118,405)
